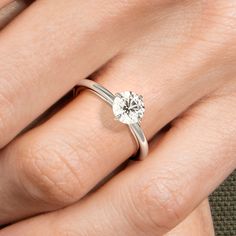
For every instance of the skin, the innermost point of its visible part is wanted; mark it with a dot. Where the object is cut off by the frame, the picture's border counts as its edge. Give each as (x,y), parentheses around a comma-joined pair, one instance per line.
(168,51)
(4,3)
(198,223)
(9,11)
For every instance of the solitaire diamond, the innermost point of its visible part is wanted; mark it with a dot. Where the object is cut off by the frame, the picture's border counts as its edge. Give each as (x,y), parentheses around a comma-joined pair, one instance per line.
(128,107)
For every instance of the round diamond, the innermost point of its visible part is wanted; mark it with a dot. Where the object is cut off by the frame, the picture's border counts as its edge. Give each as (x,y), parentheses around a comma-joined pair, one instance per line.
(128,107)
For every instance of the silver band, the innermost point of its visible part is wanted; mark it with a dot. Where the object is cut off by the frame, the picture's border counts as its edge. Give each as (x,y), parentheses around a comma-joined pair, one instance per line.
(108,97)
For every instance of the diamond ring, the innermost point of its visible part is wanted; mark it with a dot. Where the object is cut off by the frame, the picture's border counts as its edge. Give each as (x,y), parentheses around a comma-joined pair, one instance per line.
(128,108)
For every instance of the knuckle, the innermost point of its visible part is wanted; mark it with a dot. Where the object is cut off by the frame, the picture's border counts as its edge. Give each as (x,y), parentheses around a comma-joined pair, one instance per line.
(159,205)
(50,172)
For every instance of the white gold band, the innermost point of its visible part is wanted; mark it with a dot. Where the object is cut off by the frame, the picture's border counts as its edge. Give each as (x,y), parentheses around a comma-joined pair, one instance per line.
(109,98)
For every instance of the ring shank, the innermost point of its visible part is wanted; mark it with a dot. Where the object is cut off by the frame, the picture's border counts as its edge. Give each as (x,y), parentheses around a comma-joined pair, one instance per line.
(108,97)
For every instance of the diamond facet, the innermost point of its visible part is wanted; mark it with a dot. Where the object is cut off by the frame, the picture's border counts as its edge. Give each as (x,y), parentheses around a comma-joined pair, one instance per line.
(128,107)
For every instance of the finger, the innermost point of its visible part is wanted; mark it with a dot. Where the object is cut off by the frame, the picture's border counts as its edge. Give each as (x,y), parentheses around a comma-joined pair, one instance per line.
(153,196)
(5,2)
(57,163)
(43,57)
(199,222)
(10,11)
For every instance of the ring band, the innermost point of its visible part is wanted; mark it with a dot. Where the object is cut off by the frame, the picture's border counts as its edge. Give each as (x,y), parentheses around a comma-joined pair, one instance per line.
(128,108)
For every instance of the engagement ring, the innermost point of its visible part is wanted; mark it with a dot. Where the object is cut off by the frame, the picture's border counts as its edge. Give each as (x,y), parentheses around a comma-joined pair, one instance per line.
(128,108)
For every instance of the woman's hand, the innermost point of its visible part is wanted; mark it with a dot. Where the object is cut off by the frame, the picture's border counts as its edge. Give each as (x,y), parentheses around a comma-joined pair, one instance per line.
(199,222)
(179,54)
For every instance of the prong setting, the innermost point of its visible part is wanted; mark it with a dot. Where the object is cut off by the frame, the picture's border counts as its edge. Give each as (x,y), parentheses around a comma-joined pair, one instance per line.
(128,107)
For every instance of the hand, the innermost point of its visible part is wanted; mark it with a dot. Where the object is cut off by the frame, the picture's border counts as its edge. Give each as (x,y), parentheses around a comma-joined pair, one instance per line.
(180,56)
